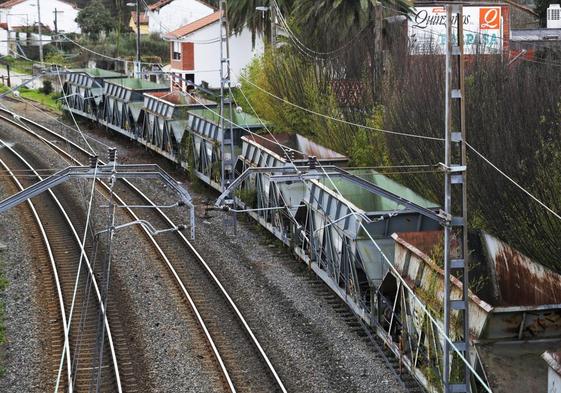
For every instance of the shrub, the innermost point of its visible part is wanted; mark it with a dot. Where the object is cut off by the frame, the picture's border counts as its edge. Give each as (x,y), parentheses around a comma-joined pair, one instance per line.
(47,87)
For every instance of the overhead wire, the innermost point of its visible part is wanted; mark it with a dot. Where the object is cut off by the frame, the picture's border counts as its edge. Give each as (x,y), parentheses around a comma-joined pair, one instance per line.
(29,102)
(313,53)
(360,219)
(510,179)
(328,117)
(73,118)
(75,290)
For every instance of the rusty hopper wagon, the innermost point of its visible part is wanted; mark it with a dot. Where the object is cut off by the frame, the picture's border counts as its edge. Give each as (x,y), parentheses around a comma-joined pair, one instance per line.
(330,217)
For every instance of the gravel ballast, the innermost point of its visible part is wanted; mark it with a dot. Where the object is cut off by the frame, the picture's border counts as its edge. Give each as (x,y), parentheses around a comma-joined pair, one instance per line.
(25,345)
(312,348)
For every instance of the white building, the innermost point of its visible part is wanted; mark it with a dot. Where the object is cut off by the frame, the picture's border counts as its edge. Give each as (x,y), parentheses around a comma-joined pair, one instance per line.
(168,15)
(21,13)
(195,51)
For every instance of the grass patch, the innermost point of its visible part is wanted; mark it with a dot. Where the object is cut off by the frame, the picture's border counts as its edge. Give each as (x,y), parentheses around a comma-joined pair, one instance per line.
(47,100)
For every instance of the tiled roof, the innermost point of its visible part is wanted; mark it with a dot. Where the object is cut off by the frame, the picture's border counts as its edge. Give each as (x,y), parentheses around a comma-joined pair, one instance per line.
(194,26)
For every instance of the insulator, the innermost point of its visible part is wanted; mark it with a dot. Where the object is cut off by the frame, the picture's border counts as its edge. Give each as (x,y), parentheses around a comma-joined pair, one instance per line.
(93,161)
(112,152)
(312,162)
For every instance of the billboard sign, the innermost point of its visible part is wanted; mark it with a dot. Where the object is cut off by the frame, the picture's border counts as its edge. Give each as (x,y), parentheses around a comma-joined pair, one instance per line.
(483,30)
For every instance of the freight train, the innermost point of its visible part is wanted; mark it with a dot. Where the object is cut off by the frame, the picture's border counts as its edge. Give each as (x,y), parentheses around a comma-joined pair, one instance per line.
(366,236)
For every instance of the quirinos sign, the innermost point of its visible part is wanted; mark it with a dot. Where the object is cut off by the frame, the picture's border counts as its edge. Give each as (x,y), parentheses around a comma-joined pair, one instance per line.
(483,30)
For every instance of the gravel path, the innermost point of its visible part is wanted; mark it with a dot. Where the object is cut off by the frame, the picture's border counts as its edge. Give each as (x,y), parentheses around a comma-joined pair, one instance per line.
(313,349)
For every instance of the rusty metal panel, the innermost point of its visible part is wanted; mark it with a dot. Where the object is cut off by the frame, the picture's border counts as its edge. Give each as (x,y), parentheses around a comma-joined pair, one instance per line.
(426,278)
(294,147)
(519,280)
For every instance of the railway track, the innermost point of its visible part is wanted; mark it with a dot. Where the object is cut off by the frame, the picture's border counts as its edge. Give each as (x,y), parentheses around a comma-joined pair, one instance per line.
(242,361)
(60,243)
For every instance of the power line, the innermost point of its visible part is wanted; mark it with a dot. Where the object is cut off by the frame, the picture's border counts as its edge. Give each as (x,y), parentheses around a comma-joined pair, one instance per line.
(303,46)
(73,118)
(513,181)
(385,258)
(339,120)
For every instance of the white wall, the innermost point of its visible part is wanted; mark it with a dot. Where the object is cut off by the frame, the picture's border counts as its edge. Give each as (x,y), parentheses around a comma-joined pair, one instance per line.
(4,42)
(207,55)
(176,14)
(553,381)
(66,19)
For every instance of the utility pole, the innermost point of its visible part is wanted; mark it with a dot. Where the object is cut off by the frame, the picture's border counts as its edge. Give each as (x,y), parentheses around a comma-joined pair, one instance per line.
(40,35)
(56,12)
(273,15)
(227,145)
(56,21)
(456,250)
(137,69)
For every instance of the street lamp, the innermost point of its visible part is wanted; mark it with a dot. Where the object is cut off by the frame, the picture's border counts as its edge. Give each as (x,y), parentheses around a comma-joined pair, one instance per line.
(137,69)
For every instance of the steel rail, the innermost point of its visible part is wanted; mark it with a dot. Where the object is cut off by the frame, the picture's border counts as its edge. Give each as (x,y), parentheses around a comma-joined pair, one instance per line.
(162,254)
(88,265)
(47,244)
(170,222)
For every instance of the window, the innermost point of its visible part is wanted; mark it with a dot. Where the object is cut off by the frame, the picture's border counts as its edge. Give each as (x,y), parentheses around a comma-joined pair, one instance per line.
(176,50)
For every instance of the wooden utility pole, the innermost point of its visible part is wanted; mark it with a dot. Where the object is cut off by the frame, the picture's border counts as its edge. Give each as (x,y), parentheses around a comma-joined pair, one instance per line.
(456,250)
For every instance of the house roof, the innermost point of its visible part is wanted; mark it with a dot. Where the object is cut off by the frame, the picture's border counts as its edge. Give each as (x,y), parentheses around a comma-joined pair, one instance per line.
(194,26)
(11,3)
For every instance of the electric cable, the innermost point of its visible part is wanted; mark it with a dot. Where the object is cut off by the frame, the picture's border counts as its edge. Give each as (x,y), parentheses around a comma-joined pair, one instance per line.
(360,219)
(510,179)
(336,119)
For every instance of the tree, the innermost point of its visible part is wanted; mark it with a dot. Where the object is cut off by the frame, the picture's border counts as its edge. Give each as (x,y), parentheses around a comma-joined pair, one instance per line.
(94,19)
(242,13)
(541,9)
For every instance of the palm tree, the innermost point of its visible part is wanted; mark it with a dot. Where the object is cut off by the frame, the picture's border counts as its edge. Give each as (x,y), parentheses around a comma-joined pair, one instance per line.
(242,13)
(336,21)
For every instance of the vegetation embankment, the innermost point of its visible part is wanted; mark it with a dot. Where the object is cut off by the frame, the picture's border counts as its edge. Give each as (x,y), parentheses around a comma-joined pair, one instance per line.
(513,117)
(44,95)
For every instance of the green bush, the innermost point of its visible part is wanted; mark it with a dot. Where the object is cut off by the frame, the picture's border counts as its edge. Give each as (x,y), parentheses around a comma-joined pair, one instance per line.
(47,87)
